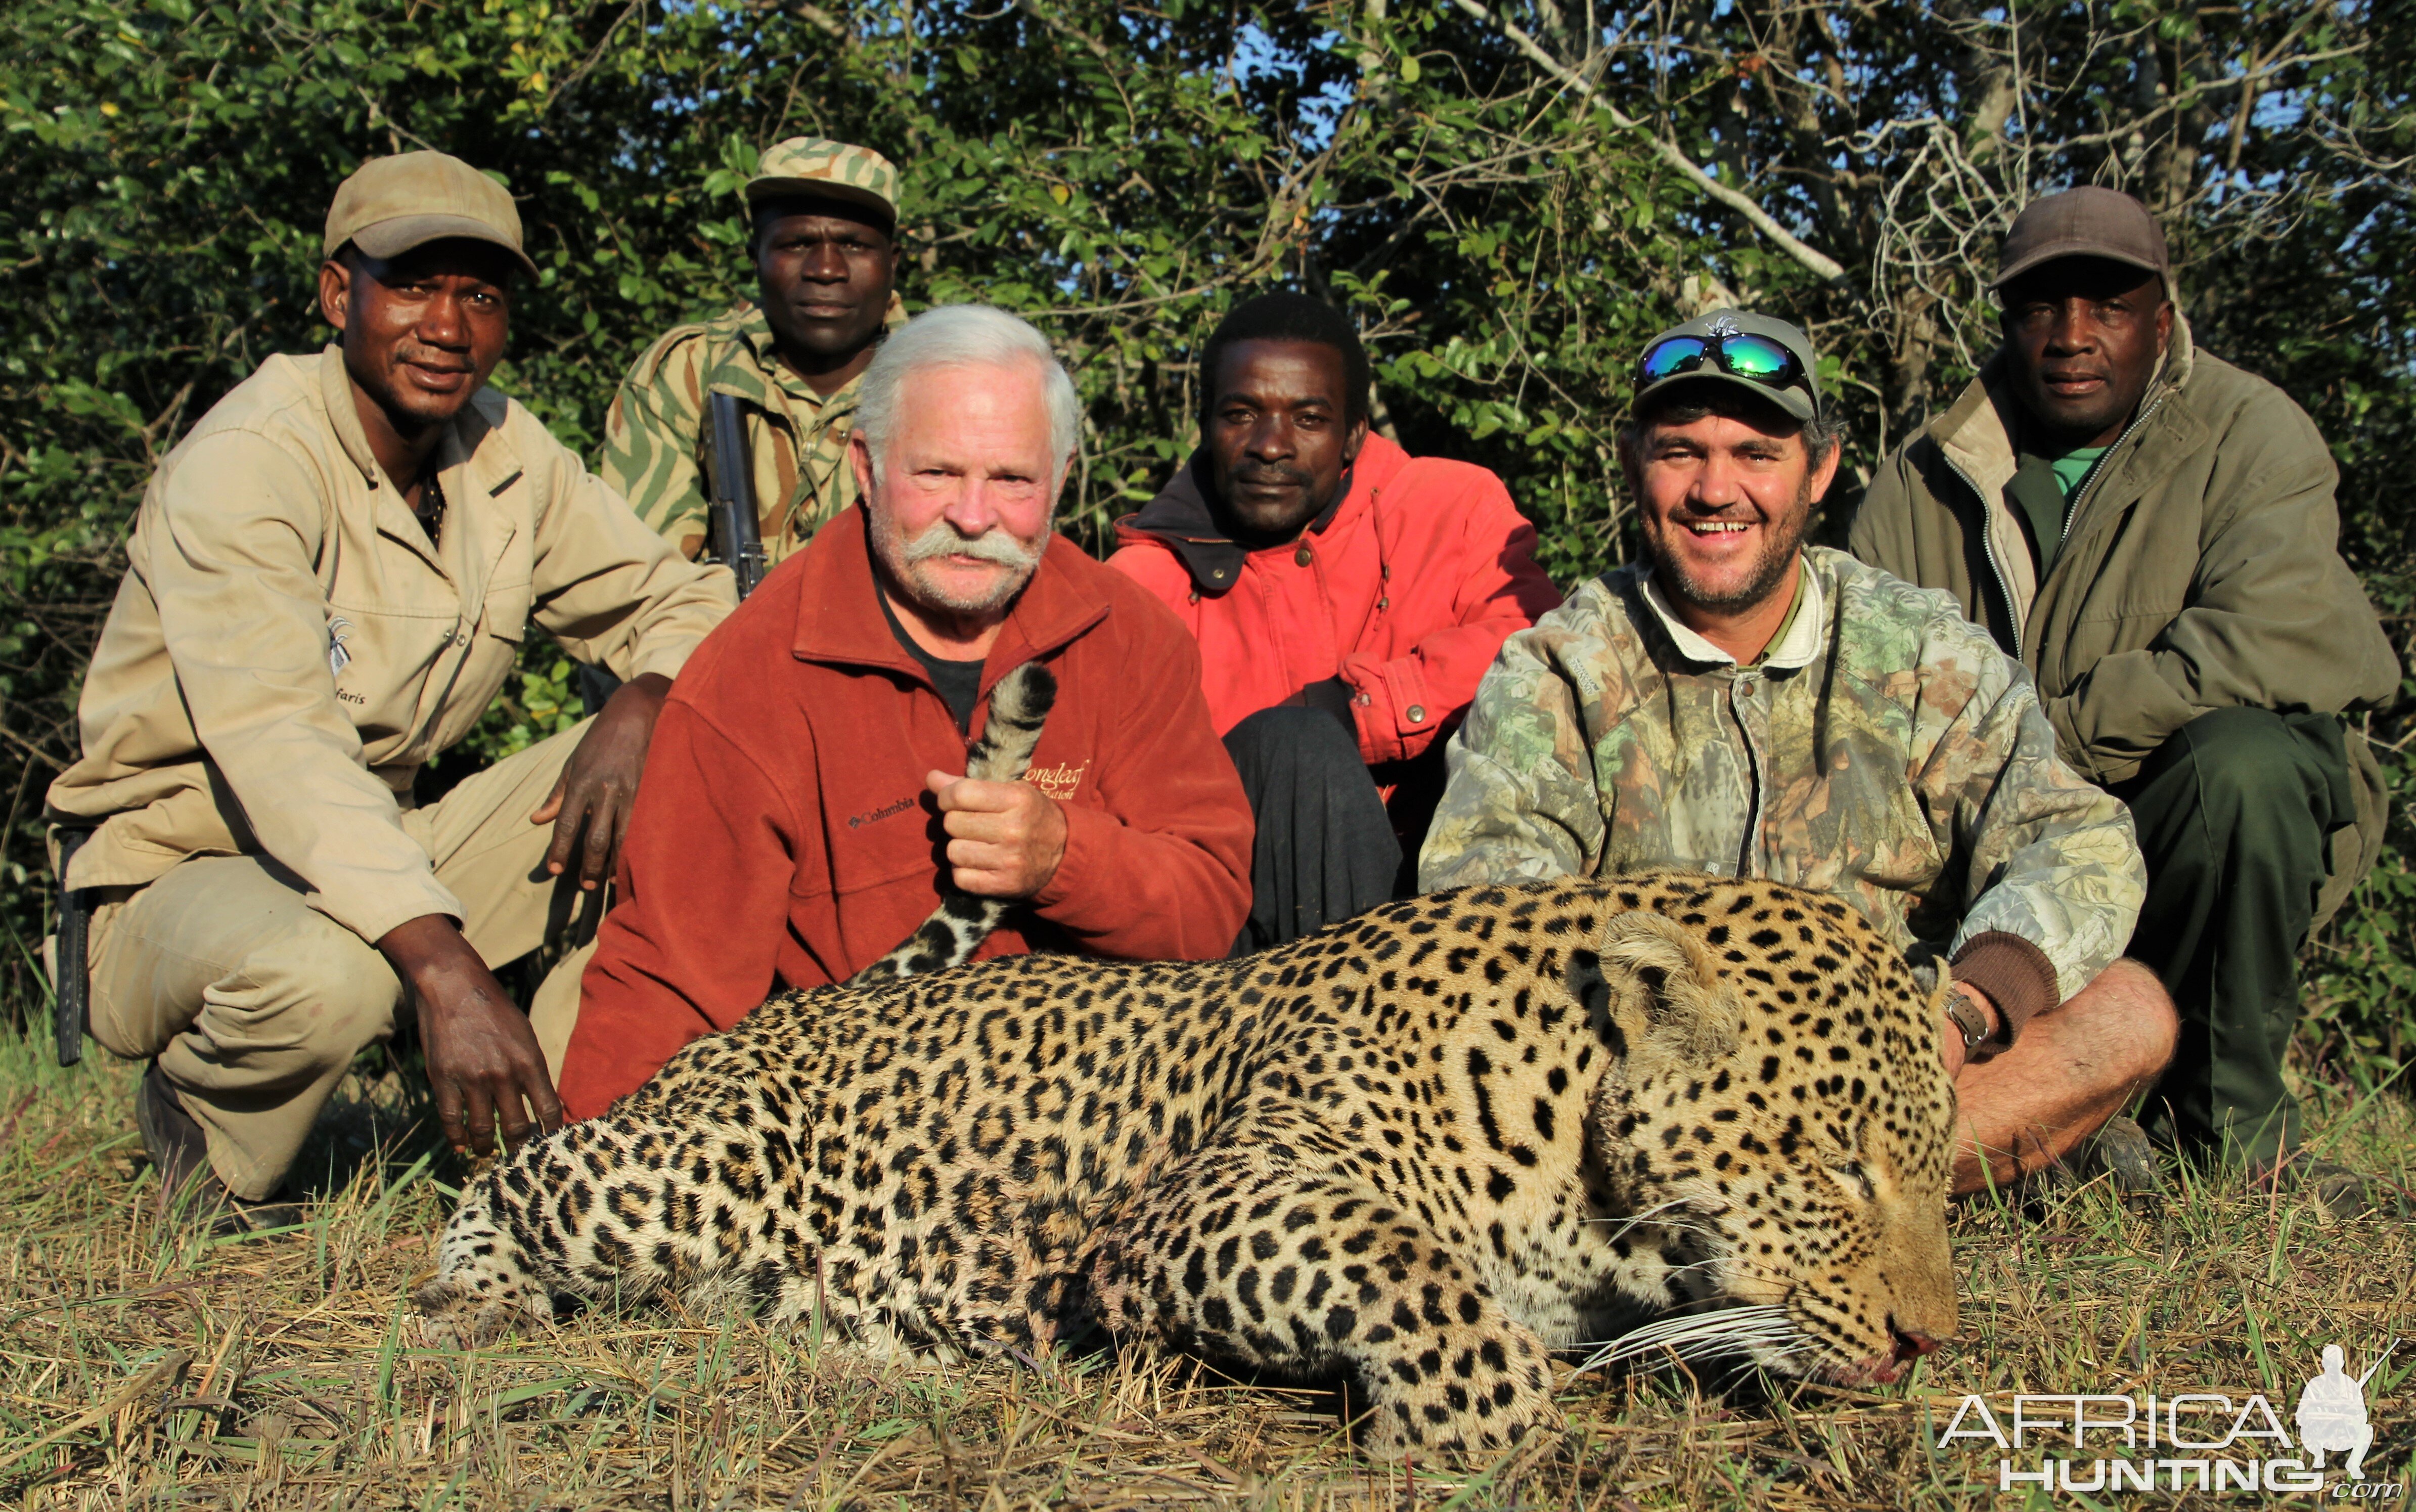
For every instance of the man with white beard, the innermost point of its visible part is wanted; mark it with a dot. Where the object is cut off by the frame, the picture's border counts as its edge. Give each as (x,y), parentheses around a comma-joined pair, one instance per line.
(805,790)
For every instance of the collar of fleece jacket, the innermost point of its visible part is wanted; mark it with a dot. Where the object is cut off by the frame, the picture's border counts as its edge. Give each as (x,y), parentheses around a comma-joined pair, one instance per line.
(1181,518)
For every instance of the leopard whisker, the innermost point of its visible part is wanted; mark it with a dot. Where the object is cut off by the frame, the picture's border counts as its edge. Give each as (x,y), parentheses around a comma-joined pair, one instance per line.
(1644,1217)
(1723,1330)
(1702,1316)
(1705,1263)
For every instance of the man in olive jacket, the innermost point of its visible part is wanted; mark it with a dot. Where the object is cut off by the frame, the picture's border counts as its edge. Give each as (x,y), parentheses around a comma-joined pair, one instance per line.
(2153,532)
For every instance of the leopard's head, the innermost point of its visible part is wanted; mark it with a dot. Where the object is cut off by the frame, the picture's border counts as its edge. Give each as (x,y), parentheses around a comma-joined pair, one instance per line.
(1777,1116)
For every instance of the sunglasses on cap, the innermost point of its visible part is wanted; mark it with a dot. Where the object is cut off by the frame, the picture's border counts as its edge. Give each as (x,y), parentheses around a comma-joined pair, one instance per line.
(1755,358)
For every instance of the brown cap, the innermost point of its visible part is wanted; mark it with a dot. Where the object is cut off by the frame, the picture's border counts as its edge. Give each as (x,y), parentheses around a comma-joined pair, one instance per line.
(823,168)
(2088,222)
(393,204)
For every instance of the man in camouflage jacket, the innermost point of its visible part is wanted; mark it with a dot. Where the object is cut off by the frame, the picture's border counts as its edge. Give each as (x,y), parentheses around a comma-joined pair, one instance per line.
(1737,703)
(826,219)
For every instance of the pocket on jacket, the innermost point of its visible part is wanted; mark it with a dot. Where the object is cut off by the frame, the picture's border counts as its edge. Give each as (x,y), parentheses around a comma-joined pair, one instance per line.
(2092,637)
(507,614)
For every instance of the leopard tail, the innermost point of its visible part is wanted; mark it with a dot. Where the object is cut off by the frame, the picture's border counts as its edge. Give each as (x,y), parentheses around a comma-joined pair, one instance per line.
(1019,708)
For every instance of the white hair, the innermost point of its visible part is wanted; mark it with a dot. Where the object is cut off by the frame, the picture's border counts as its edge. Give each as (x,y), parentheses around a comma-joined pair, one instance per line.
(965,335)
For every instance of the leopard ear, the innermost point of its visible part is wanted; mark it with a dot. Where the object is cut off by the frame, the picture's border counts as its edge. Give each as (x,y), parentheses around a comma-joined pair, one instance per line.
(1653,987)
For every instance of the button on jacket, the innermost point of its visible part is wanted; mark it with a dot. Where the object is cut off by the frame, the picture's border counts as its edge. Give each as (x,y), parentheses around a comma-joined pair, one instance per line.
(287,647)
(1405,593)
(784,836)
(1884,749)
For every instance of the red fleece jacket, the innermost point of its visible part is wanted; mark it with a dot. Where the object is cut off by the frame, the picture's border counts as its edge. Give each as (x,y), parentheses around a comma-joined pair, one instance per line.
(1406,592)
(782,836)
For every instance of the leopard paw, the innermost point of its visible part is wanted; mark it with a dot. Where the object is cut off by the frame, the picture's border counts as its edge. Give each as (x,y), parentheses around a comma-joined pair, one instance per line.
(1469,1402)
(455,1316)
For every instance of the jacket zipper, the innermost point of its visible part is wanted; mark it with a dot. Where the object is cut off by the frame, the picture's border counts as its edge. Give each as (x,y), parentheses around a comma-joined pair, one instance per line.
(2097,473)
(1988,550)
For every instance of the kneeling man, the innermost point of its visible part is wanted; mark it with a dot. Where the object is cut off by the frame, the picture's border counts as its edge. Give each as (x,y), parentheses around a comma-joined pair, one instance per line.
(1737,702)
(1346,598)
(327,582)
(2154,531)
(805,789)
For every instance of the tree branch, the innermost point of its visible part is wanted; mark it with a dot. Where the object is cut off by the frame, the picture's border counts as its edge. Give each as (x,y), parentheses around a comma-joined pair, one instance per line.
(1760,220)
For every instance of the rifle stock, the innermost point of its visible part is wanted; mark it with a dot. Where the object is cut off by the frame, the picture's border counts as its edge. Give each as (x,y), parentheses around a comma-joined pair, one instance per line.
(70,978)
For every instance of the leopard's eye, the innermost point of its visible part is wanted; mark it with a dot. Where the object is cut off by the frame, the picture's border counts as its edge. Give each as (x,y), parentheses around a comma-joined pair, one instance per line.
(1851,1177)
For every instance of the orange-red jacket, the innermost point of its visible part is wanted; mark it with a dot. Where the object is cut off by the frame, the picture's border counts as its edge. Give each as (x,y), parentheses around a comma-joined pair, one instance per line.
(782,836)
(1405,591)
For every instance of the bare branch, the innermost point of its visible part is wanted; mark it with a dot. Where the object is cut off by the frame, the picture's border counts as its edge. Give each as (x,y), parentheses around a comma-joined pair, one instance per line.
(1760,220)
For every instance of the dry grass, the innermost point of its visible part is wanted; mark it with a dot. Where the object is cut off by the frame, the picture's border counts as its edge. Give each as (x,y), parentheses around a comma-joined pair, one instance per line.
(139,1365)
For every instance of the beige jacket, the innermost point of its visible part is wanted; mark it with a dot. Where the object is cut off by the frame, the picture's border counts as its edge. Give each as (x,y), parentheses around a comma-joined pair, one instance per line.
(287,648)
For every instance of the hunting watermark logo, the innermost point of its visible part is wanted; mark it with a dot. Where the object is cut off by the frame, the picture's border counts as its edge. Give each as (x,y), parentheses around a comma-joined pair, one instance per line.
(2195,1440)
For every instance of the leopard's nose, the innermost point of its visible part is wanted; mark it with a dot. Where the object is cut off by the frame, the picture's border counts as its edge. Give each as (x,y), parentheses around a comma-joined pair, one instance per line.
(1909,1346)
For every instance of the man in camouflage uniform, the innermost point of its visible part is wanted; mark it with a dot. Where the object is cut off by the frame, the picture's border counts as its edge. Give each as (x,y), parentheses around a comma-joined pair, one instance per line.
(826,219)
(1740,704)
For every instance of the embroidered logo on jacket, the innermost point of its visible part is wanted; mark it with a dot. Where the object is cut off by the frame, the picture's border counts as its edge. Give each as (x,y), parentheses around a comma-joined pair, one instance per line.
(1059,782)
(874,816)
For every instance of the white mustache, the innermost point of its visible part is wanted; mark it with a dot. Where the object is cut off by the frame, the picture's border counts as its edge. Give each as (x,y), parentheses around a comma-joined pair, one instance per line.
(944,540)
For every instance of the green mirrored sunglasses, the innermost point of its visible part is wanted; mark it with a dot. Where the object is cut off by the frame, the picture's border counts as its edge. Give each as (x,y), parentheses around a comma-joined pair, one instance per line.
(1756,357)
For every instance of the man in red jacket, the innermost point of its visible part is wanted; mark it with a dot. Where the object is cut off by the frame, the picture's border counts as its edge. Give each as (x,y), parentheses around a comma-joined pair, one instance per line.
(806,785)
(1346,595)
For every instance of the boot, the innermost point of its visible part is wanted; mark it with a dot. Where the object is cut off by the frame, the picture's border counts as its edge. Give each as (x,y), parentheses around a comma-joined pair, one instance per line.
(2121,1152)
(2341,1191)
(188,1186)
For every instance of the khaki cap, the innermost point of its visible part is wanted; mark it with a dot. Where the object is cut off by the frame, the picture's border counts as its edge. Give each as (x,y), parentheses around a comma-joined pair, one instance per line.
(393,204)
(825,170)
(2088,222)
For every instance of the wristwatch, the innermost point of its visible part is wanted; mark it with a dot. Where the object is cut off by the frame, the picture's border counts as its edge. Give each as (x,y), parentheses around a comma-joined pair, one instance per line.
(1966,1015)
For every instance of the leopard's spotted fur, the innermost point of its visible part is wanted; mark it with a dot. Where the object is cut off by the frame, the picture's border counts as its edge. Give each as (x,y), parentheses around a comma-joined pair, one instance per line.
(1421,1147)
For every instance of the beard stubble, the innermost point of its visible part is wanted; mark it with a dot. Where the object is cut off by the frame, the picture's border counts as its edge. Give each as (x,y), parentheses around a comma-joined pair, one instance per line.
(1783,540)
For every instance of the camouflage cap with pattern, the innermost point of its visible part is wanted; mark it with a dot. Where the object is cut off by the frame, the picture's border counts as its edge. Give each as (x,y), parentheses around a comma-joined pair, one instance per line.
(815,167)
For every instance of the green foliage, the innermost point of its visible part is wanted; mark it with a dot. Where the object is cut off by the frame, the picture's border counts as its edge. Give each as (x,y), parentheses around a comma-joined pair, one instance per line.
(1122,173)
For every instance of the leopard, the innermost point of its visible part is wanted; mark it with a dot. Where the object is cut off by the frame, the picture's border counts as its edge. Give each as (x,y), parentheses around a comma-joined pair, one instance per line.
(1421,1152)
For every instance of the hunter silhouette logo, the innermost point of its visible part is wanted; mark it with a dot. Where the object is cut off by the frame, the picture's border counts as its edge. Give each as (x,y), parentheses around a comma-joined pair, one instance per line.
(2332,1413)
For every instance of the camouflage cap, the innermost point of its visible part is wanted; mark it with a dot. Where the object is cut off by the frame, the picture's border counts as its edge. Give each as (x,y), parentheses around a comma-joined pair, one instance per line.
(813,166)
(392,205)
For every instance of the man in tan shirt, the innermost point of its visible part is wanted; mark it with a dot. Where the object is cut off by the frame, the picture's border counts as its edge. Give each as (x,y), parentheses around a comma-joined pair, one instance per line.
(326,584)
